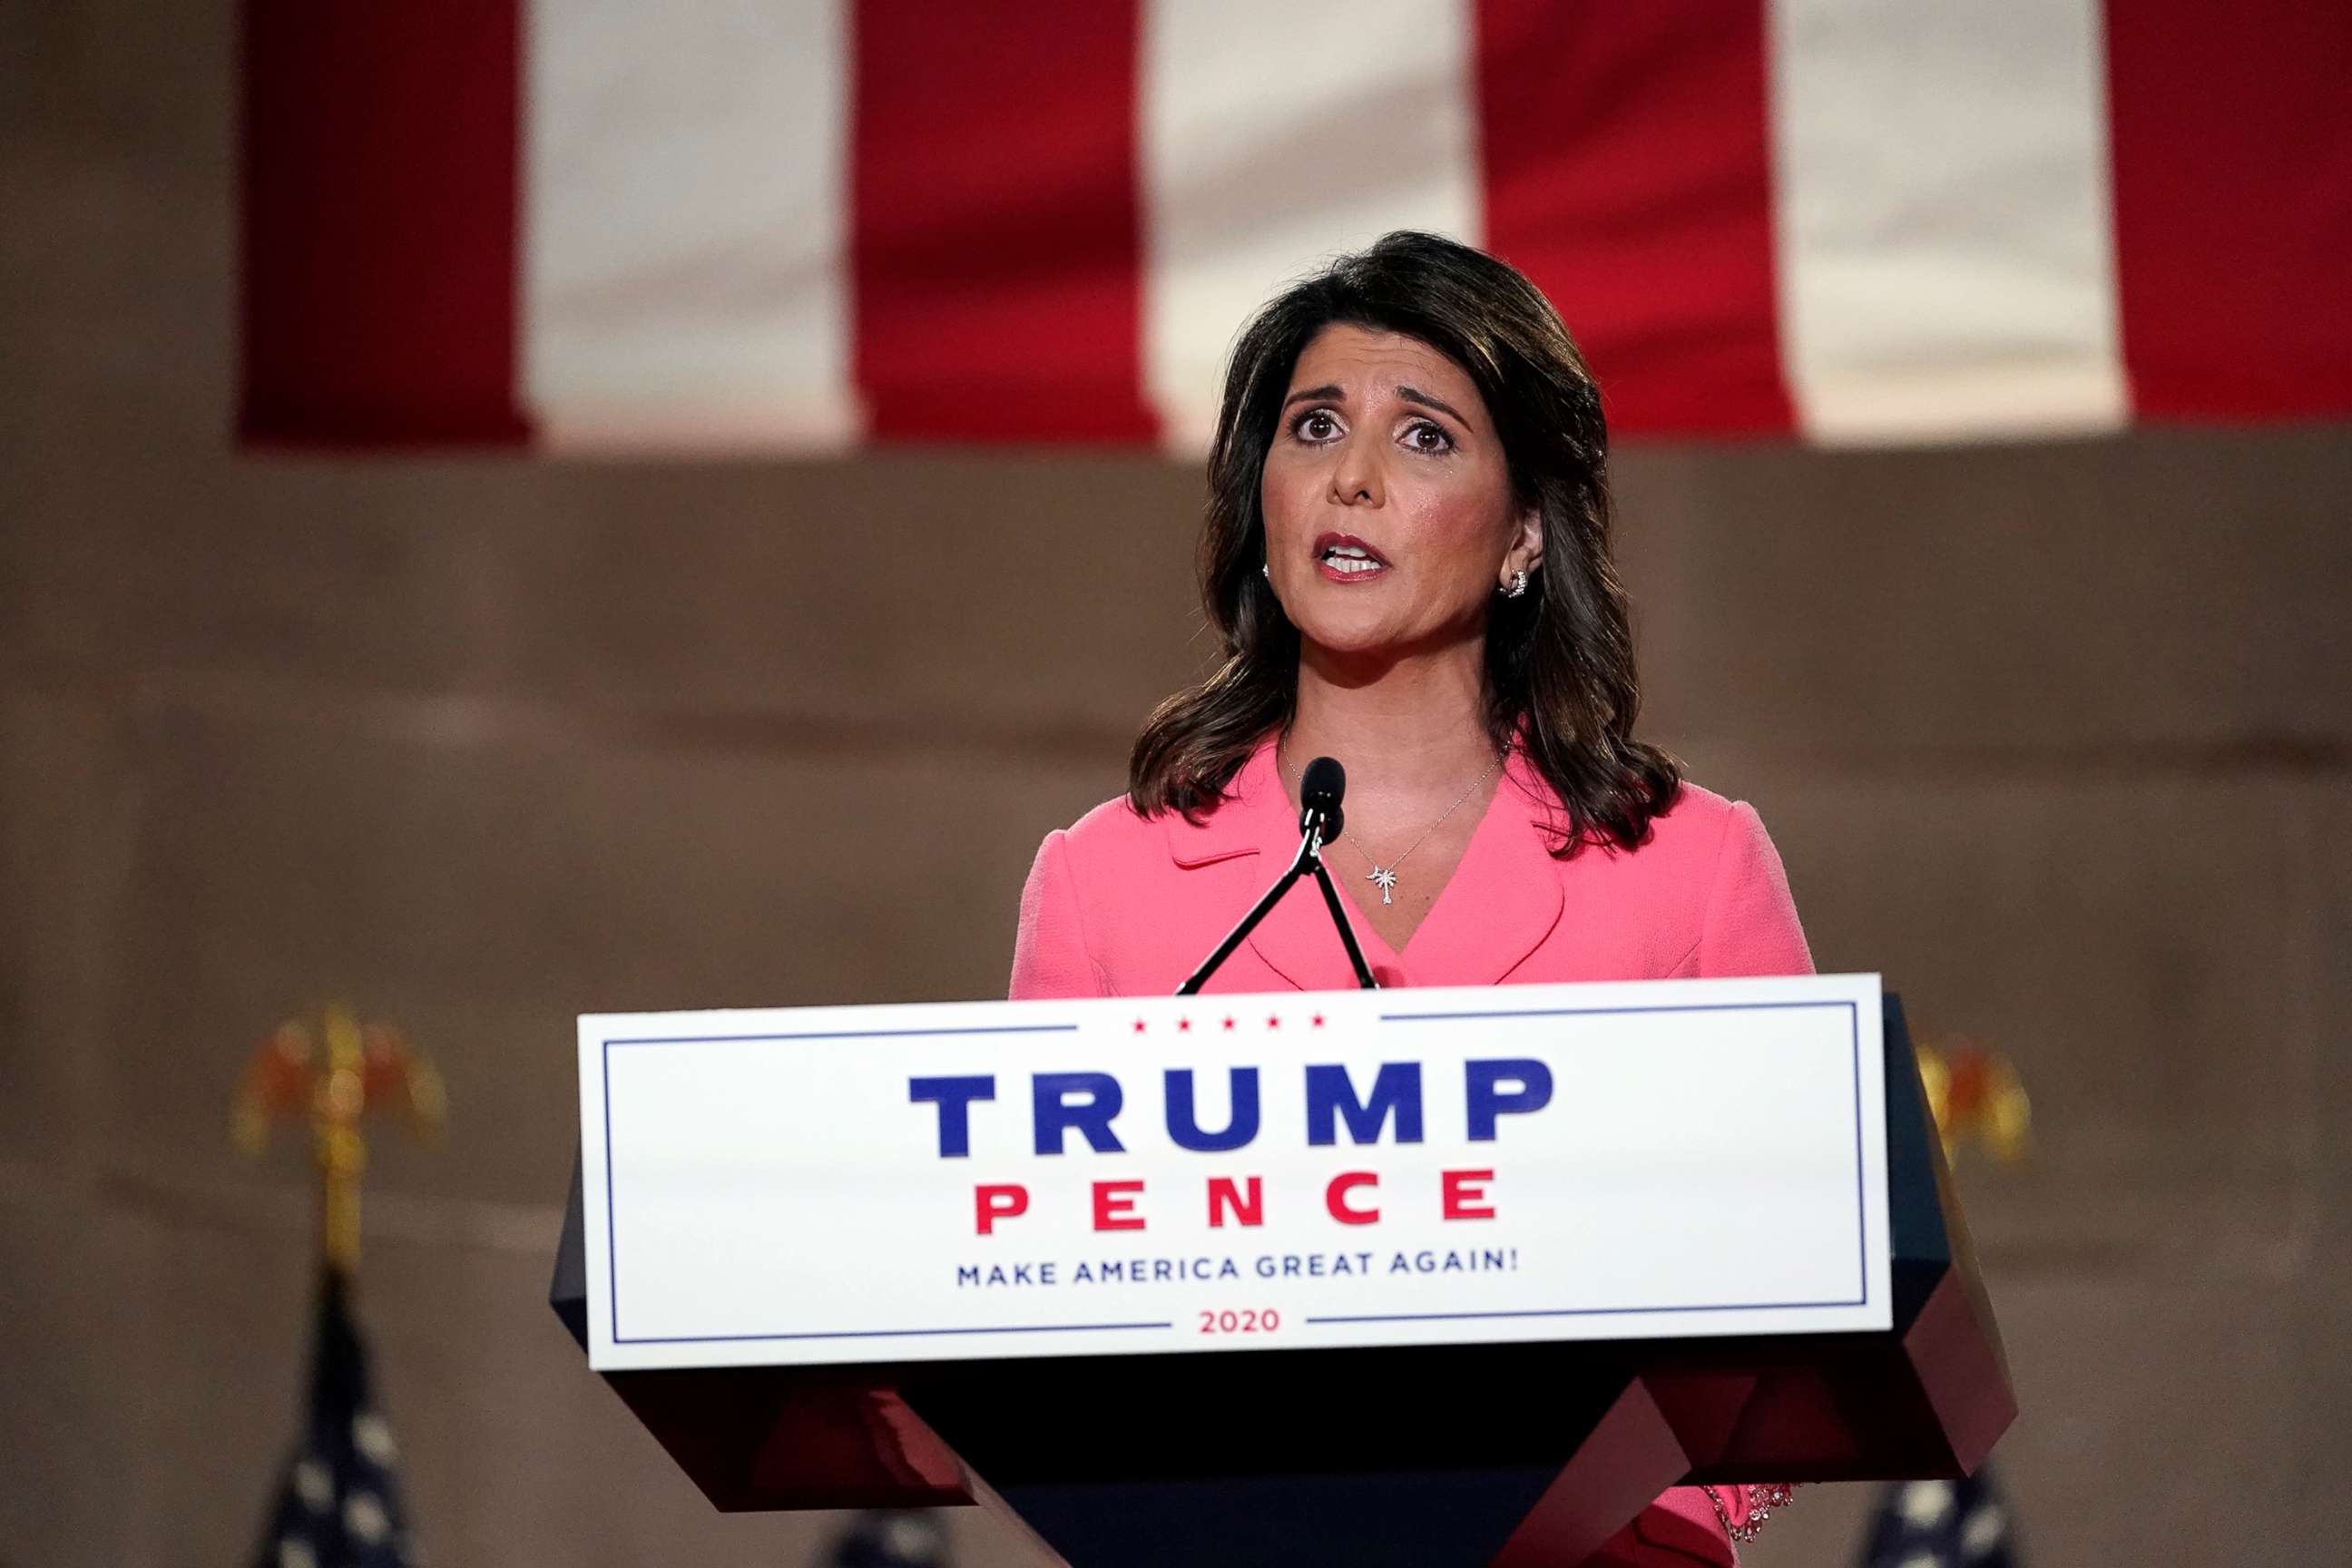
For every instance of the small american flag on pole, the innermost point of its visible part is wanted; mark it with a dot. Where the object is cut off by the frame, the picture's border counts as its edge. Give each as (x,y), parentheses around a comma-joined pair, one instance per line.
(1941,1524)
(338,1502)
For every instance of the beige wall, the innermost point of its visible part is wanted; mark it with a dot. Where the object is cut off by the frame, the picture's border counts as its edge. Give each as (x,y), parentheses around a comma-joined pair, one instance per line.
(2055,737)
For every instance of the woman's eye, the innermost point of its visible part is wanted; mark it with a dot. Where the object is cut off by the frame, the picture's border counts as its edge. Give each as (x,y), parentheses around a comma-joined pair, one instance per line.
(1316,425)
(1424,436)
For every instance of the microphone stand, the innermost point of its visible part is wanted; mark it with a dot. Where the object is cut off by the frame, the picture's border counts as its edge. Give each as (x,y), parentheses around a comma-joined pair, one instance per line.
(1314,823)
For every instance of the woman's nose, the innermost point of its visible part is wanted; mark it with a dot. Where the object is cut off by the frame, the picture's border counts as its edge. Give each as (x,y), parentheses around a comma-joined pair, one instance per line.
(1356,478)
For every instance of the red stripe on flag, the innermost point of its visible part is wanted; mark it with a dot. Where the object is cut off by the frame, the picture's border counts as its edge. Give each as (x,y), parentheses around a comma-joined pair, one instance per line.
(2234,205)
(377,284)
(1626,152)
(998,244)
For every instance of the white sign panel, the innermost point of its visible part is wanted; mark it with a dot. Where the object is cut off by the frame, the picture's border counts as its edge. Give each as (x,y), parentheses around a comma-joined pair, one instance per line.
(988,1179)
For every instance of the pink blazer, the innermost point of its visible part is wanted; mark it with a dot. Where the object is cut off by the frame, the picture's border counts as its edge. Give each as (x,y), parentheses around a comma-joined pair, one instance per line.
(1120,905)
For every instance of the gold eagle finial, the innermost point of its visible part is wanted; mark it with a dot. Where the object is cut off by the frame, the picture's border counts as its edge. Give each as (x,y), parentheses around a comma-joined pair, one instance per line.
(1975,1095)
(335,1074)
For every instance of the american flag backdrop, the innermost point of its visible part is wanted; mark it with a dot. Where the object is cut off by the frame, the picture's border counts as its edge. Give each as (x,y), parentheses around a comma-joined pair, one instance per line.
(796,225)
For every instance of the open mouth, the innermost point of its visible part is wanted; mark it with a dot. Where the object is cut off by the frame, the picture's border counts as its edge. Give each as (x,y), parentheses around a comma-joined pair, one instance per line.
(1344,558)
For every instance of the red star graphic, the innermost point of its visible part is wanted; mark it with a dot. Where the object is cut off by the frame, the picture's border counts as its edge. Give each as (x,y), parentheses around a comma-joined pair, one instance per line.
(1183,1025)
(1274,1023)
(1138,1025)
(1318,1020)
(1229,1023)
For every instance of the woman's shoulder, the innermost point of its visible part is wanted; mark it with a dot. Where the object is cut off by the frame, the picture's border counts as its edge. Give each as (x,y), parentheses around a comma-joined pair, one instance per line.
(1114,822)
(1112,835)
(1114,845)
(1692,826)
(1232,821)
(1697,841)
(1749,922)
(1704,834)
(1696,817)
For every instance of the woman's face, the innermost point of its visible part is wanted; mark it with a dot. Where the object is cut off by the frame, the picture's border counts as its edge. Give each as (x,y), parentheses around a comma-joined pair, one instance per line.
(1389,517)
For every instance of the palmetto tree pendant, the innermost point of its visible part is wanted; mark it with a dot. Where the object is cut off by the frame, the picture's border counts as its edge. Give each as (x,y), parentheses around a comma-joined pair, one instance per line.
(1384,879)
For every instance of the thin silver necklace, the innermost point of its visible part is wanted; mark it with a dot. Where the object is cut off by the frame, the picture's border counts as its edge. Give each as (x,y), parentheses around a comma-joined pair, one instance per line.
(1384,877)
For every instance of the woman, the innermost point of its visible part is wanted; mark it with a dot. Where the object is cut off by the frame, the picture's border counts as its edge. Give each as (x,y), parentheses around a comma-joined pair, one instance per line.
(1407,558)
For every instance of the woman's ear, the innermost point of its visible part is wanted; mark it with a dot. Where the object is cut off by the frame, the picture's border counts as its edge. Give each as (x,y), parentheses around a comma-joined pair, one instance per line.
(1525,553)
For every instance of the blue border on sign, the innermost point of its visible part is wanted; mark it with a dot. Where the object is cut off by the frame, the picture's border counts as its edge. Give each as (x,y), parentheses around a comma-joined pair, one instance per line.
(611,1238)
(1861,1188)
(1862,1298)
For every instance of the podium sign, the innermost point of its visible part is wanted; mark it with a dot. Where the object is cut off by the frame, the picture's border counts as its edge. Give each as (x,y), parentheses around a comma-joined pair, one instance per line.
(948,1181)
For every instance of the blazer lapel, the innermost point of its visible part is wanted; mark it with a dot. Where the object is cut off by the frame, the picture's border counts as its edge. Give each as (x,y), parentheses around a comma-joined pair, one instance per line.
(1228,831)
(1504,898)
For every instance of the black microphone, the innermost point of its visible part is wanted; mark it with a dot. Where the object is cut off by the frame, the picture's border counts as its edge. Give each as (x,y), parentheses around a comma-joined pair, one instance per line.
(1321,789)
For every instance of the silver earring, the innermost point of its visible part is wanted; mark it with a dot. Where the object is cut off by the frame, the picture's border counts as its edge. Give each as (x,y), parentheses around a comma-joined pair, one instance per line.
(1518,585)
(1266,571)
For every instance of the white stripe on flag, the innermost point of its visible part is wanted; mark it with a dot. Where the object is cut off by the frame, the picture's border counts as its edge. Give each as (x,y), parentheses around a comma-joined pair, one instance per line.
(685,223)
(1945,227)
(1274,137)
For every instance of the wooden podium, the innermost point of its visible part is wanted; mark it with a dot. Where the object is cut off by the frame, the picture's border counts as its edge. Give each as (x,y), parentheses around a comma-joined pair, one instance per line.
(1433,1455)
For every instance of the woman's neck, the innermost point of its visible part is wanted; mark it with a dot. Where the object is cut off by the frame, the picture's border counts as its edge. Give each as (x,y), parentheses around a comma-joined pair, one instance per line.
(1406,726)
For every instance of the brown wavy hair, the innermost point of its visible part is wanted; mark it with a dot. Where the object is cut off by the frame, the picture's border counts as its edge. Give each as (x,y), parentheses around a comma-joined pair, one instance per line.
(1559,680)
